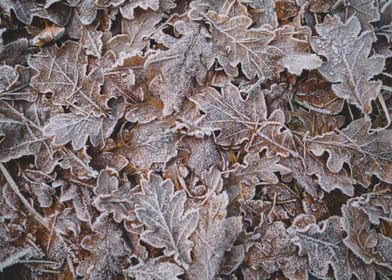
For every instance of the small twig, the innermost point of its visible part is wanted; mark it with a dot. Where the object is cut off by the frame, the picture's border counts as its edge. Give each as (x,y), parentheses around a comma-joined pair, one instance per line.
(15,188)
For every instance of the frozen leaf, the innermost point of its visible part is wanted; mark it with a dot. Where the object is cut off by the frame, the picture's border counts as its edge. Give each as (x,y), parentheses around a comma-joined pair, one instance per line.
(92,41)
(122,77)
(113,198)
(263,12)
(239,120)
(108,251)
(316,95)
(62,71)
(186,61)
(14,249)
(316,6)
(199,154)
(59,13)
(151,143)
(377,205)
(276,251)
(363,241)
(78,128)
(154,269)
(324,246)
(303,167)
(145,112)
(168,224)
(106,183)
(128,8)
(230,8)
(348,64)
(214,235)
(366,153)
(135,33)
(67,222)
(257,169)
(234,43)
(296,50)
(314,123)
(21,125)
(15,83)
(80,198)
(365,10)
(87,10)
(38,184)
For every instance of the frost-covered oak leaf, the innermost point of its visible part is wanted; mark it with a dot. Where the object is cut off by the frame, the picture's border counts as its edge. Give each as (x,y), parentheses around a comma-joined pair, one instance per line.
(168,225)
(365,242)
(186,60)
(62,71)
(155,269)
(240,119)
(324,246)
(77,128)
(214,235)
(234,43)
(367,153)
(348,64)
(108,253)
(296,51)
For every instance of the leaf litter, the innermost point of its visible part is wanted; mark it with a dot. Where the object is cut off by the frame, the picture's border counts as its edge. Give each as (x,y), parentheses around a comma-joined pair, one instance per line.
(195,139)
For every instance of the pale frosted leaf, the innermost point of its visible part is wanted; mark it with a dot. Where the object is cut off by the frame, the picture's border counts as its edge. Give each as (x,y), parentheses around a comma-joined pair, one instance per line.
(21,125)
(128,8)
(135,33)
(78,128)
(296,50)
(199,153)
(15,83)
(113,198)
(276,251)
(91,40)
(366,153)
(377,205)
(324,246)
(263,12)
(58,13)
(257,169)
(362,240)
(80,198)
(155,269)
(168,224)
(348,64)
(108,253)
(214,235)
(234,43)
(107,183)
(151,143)
(230,8)
(239,120)
(186,59)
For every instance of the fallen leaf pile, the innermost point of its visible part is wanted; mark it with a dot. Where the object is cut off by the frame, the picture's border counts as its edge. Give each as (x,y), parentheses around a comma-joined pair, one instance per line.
(195,139)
